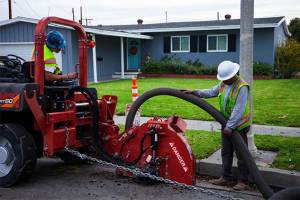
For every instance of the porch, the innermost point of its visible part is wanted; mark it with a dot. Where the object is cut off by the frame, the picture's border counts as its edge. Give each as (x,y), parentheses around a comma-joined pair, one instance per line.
(116,55)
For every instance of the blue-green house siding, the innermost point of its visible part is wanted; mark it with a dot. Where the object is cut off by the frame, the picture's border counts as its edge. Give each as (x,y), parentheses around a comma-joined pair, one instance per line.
(108,47)
(263,47)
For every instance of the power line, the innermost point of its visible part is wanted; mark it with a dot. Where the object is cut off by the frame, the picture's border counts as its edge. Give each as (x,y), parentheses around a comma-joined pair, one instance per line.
(35,13)
(60,8)
(21,10)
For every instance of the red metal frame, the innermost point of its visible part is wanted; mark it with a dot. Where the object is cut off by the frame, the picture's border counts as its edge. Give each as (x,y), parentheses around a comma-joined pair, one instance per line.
(39,41)
(173,159)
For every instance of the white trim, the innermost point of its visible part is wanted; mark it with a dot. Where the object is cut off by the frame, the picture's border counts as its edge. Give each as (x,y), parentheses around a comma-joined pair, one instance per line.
(180,36)
(285,27)
(95,61)
(91,30)
(217,35)
(117,33)
(18,19)
(197,28)
(5,43)
(127,54)
(32,21)
(122,57)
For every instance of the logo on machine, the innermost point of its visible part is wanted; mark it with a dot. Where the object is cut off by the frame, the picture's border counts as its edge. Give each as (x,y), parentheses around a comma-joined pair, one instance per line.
(10,102)
(180,159)
(6,101)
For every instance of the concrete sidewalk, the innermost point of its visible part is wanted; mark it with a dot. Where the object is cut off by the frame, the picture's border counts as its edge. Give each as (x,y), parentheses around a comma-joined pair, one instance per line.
(215,126)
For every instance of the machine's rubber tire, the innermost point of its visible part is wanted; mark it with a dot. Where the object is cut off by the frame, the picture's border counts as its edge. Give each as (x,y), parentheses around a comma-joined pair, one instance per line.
(292,193)
(263,187)
(24,153)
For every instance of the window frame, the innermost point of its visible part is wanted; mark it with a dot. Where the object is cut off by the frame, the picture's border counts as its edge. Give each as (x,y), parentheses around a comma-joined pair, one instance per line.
(217,35)
(180,36)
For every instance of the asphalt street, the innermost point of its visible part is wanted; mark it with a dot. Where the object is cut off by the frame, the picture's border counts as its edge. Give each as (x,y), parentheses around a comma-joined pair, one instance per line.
(53,179)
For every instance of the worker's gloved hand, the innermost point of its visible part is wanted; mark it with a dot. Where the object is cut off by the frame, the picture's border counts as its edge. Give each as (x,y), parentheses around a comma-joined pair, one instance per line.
(72,75)
(227,131)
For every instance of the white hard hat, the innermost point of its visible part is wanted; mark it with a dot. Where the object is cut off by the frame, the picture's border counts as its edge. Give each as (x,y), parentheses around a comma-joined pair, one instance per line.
(227,70)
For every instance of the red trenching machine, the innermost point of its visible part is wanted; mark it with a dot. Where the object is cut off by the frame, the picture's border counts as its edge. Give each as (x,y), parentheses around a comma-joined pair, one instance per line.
(39,119)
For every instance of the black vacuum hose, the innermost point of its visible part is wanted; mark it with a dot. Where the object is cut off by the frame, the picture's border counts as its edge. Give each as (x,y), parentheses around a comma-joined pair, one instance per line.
(263,187)
(292,193)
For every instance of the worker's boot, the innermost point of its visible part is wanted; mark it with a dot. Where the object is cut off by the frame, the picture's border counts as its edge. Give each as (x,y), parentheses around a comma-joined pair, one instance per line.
(241,186)
(221,181)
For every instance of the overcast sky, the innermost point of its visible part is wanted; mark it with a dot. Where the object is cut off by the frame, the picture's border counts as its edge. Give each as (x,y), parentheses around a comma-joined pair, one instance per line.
(151,11)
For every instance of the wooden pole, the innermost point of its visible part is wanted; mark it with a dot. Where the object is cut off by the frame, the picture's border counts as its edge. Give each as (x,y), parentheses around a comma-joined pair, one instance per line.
(9,10)
(73,14)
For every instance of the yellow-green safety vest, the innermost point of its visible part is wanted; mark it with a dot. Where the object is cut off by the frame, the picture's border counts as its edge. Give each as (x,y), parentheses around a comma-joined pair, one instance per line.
(226,110)
(49,59)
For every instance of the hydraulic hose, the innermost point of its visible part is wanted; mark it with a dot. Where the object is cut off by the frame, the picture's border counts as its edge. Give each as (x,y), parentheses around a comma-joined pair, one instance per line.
(240,145)
(95,113)
(97,143)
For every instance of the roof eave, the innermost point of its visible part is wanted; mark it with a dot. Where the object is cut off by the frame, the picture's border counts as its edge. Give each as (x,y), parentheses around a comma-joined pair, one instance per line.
(118,33)
(91,30)
(199,28)
(285,26)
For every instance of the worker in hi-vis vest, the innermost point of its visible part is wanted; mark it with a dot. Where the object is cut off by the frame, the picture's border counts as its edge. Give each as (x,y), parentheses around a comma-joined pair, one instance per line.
(55,42)
(234,105)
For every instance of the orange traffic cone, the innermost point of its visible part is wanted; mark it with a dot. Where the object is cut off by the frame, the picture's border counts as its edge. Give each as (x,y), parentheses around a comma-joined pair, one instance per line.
(134,90)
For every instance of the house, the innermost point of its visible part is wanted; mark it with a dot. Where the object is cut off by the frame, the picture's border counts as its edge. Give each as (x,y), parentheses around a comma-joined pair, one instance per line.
(108,56)
(123,48)
(209,41)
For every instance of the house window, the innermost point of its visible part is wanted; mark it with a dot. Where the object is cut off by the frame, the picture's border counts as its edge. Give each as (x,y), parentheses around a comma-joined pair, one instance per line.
(180,43)
(217,43)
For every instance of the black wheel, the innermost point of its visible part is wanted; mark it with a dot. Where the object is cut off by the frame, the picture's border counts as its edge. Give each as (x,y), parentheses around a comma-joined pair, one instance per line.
(17,154)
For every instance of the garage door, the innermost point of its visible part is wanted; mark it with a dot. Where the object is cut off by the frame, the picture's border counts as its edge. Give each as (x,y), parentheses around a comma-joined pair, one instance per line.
(24,50)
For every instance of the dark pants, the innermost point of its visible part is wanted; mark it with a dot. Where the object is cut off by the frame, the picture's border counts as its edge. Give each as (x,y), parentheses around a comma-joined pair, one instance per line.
(227,157)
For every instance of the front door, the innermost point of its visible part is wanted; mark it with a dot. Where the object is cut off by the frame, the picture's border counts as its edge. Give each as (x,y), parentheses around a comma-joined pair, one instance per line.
(134,54)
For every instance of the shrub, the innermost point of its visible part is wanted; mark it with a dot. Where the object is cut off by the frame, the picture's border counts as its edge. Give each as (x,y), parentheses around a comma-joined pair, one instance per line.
(172,65)
(261,68)
(288,58)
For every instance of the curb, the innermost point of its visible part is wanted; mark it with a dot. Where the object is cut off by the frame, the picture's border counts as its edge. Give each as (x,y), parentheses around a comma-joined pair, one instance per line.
(273,176)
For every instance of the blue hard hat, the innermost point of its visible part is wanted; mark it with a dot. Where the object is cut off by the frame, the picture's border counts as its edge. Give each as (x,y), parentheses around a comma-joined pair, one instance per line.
(55,40)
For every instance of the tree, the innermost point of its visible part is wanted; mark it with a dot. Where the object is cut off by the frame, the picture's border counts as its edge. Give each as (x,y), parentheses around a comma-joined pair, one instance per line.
(294,28)
(288,58)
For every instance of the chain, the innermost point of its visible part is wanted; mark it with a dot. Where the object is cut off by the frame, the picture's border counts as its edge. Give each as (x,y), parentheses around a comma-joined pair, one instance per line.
(138,172)
(67,136)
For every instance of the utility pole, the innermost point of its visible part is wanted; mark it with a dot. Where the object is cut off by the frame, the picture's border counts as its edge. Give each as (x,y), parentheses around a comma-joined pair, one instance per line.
(80,21)
(246,57)
(9,10)
(218,16)
(73,14)
(166,16)
(87,20)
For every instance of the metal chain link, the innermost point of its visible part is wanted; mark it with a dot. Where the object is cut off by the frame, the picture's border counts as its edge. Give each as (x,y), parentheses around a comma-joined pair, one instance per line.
(138,172)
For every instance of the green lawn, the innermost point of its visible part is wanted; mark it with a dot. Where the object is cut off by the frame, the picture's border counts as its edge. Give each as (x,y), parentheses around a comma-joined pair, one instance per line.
(205,143)
(276,102)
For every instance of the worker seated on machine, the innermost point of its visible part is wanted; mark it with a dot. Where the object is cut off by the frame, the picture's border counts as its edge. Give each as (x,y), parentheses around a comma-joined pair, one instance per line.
(55,42)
